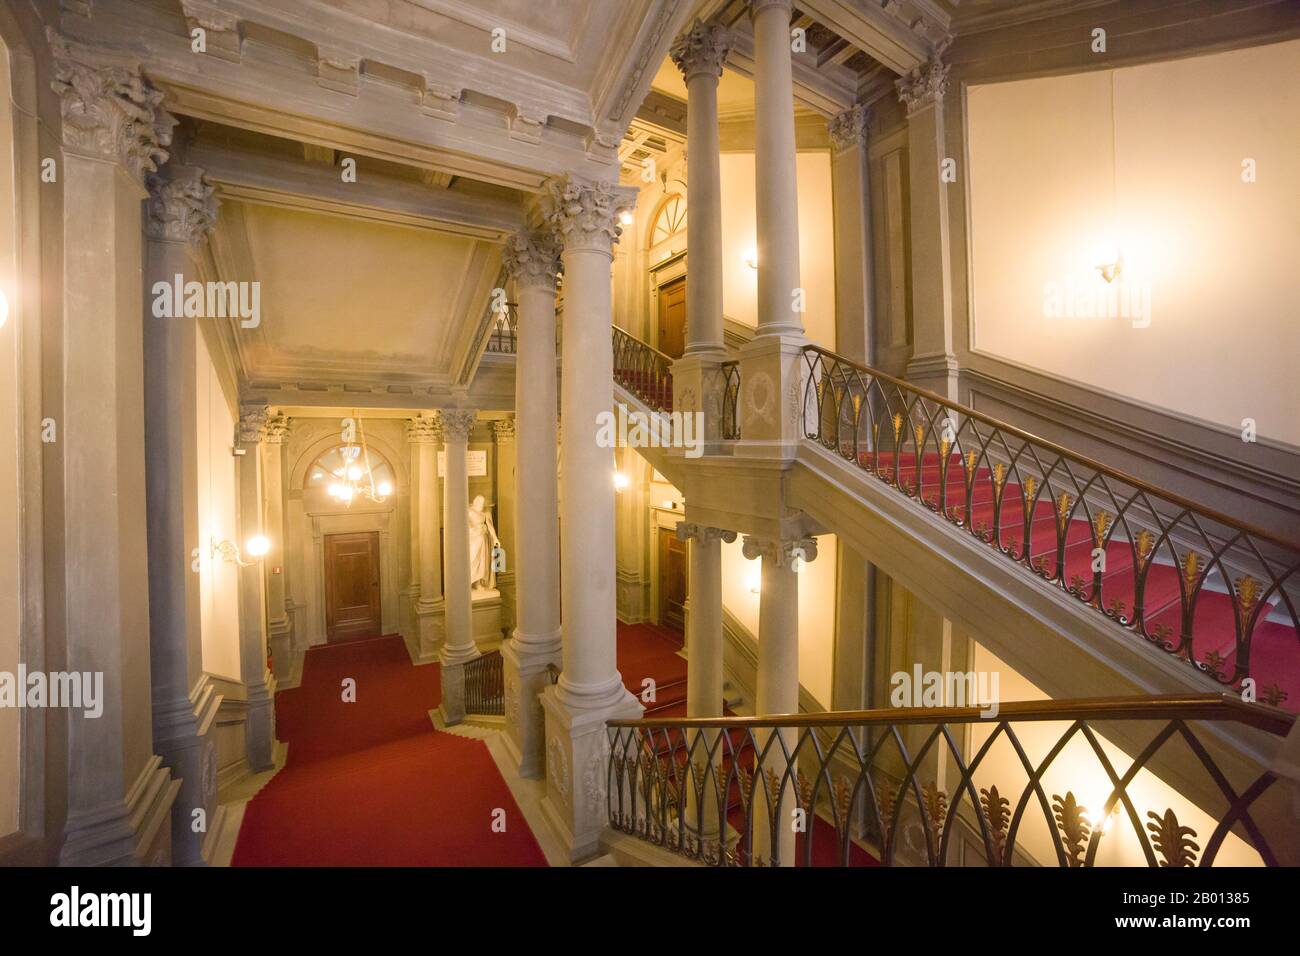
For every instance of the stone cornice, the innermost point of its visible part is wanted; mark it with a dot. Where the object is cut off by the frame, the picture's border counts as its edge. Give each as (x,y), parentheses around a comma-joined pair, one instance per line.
(690,531)
(532,260)
(702,49)
(181,206)
(583,213)
(782,552)
(849,128)
(924,86)
(457,423)
(109,111)
(424,431)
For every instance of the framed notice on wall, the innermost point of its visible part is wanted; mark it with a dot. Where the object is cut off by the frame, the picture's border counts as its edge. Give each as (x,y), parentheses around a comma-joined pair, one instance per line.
(476,459)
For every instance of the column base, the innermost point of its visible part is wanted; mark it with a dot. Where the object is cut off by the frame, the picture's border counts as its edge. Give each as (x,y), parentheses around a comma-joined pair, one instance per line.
(452,706)
(131,831)
(259,726)
(773,395)
(524,662)
(279,637)
(698,391)
(190,752)
(577,768)
(430,623)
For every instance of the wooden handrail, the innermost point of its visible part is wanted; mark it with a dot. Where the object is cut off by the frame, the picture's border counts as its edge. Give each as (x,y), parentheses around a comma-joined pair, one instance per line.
(1228,707)
(1163,493)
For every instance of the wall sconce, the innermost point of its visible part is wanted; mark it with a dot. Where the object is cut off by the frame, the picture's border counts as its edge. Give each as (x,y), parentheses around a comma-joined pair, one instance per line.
(625,217)
(1110,271)
(4,308)
(754,583)
(621,481)
(256,547)
(751,259)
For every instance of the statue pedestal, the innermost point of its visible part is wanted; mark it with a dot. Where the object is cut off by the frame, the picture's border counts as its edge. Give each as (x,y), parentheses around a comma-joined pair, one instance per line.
(488,619)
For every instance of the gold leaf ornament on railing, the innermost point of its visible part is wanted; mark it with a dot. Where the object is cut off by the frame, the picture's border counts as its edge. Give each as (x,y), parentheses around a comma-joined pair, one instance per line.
(997,811)
(1072,819)
(936,811)
(1172,840)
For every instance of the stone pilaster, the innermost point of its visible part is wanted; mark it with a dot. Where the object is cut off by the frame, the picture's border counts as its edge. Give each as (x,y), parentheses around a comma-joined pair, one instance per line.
(279,627)
(178,216)
(114,132)
(458,648)
(425,434)
(933,364)
(584,217)
(851,202)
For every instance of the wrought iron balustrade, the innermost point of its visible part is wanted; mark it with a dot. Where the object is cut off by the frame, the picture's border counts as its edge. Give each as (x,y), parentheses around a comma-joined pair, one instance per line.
(503,339)
(485,687)
(643,370)
(730,401)
(1038,783)
(1214,591)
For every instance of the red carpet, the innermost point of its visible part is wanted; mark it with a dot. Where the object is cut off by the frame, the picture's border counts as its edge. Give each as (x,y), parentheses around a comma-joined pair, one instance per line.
(371,783)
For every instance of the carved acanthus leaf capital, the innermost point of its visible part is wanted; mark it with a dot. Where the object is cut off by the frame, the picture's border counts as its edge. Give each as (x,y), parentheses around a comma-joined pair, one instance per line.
(181,208)
(276,431)
(849,128)
(584,214)
(690,531)
(532,260)
(457,423)
(923,86)
(504,430)
(701,49)
(424,431)
(253,417)
(110,111)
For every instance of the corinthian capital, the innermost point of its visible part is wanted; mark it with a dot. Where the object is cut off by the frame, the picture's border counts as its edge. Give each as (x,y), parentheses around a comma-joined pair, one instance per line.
(532,260)
(848,128)
(182,207)
(277,429)
(784,553)
(110,110)
(690,531)
(701,49)
(457,423)
(424,431)
(924,86)
(584,213)
(253,417)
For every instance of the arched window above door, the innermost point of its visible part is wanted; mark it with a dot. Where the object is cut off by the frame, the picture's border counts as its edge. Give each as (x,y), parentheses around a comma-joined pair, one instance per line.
(346,472)
(671,220)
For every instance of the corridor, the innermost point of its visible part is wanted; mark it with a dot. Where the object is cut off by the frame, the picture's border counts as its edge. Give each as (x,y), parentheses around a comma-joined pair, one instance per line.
(371,783)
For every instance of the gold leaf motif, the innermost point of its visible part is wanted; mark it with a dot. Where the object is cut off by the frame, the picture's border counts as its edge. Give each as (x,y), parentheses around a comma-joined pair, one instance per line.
(936,810)
(1145,542)
(857,405)
(945,447)
(1247,594)
(1191,569)
(970,460)
(1072,818)
(886,801)
(999,476)
(1030,486)
(1171,840)
(919,431)
(1100,522)
(898,427)
(997,812)
(1063,505)
(843,795)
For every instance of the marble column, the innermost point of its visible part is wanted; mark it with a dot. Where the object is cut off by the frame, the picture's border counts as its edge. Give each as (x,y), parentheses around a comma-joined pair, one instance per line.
(410,623)
(458,647)
(533,263)
(503,439)
(119,795)
(279,628)
(426,435)
(179,215)
(777,690)
(259,682)
(697,382)
(584,216)
(851,204)
(933,364)
(772,371)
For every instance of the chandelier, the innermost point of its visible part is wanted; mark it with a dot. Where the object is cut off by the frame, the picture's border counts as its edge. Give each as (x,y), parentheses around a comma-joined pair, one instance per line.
(355,478)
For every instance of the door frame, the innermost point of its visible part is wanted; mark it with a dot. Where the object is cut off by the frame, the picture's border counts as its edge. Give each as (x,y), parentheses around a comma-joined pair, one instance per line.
(663,273)
(379,570)
(323,525)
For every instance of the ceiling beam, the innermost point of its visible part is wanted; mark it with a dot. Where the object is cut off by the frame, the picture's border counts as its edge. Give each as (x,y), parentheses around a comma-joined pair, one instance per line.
(872,29)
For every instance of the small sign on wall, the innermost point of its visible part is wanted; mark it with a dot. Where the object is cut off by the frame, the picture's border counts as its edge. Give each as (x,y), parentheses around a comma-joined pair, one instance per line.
(476,460)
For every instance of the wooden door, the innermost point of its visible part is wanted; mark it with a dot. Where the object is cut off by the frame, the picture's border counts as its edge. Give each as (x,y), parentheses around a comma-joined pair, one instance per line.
(672,580)
(672,317)
(352,585)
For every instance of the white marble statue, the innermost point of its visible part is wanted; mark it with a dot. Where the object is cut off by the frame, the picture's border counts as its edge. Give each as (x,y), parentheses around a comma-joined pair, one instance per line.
(482,539)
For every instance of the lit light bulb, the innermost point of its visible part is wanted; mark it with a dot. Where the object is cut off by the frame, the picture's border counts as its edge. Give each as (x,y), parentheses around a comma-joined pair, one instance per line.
(335,489)
(345,493)
(753,584)
(354,473)
(385,488)
(621,481)
(4,308)
(751,258)
(257,545)
(625,217)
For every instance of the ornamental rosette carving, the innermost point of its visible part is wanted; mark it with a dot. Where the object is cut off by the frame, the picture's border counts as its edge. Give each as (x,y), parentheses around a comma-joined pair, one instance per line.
(923,86)
(457,423)
(584,213)
(849,128)
(110,111)
(422,431)
(532,260)
(181,207)
(701,49)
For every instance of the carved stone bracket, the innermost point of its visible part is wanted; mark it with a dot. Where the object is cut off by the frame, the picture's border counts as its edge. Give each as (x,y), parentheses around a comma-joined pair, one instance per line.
(924,86)
(181,207)
(849,128)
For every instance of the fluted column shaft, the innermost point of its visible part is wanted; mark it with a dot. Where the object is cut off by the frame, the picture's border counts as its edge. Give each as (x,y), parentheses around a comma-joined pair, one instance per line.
(458,646)
(775,173)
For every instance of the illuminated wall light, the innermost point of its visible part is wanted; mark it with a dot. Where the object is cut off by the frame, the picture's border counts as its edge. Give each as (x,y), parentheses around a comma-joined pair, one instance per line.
(625,217)
(753,583)
(385,488)
(4,308)
(751,259)
(258,545)
(621,481)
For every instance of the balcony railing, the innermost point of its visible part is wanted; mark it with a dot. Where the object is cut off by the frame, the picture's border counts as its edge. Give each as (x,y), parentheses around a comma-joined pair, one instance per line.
(1216,592)
(643,370)
(1037,783)
(503,339)
(485,685)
